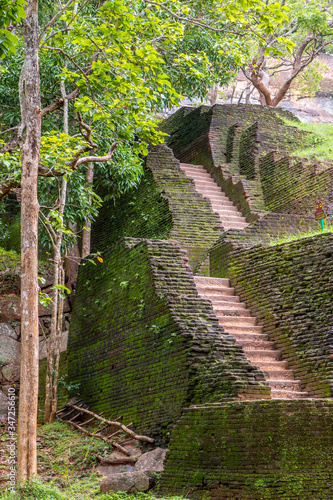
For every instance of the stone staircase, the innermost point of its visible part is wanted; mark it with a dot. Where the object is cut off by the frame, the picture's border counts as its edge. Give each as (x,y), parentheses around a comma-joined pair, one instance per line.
(229,215)
(237,321)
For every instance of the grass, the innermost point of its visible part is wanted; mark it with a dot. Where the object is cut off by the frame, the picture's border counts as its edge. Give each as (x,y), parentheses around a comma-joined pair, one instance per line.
(66,468)
(299,236)
(318,144)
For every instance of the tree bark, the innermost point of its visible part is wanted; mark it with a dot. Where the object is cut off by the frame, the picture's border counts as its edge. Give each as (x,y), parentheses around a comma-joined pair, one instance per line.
(53,343)
(30,149)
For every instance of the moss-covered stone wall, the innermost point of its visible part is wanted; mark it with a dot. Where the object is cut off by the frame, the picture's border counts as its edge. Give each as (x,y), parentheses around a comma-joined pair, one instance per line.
(164,206)
(144,345)
(264,231)
(257,450)
(289,288)
(246,149)
(293,185)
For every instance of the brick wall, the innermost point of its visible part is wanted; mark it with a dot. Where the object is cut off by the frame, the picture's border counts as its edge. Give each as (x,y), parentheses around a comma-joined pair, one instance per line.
(246,149)
(259,450)
(289,288)
(293,185)
(262,232)
(142,344)
(164,206)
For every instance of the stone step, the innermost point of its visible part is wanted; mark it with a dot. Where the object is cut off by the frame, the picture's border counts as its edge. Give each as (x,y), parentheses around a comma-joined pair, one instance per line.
(191,165)
(218,291)
(285,385)
(253,337)
(236,320)
(262,355)
(197,174)
(242,329)
(256,345)
(231,312)
(211,187)
(234,225)
(281,394)
(236,307)
(231,218)
(223,299)
(224,212)
(282,374)
(205,281)
(213,198)
(271,365)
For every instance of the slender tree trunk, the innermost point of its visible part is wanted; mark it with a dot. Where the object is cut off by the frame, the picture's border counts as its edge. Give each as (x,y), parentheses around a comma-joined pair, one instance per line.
(86,234)
(73,258)
(213,94)
(53,342)
(30,147)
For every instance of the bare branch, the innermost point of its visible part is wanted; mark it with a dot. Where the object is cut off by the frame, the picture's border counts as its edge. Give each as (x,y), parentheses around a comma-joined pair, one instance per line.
(96,159)
(9,130)
(87,137)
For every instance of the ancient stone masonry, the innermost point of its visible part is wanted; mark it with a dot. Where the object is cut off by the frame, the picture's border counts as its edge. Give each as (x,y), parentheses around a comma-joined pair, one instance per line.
(165,205)
(262,232)
(246,149)
(202,356)
(289,288)
(258,450)
(293,185)
(144,345)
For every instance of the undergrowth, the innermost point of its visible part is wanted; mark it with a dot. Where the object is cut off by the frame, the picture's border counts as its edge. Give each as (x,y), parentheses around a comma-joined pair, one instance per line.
(36,490)
(299,236)
(318,144)
(66,468)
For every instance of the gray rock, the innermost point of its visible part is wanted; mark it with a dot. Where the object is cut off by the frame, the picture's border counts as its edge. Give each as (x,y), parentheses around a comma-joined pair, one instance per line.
(11,372)
(7,330)
(10,350)
(151,461)
(110,470)
(129,482)
(3,404)
(10,309)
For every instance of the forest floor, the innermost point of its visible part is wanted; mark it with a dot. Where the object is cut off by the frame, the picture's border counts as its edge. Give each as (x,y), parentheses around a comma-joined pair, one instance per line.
(66,467)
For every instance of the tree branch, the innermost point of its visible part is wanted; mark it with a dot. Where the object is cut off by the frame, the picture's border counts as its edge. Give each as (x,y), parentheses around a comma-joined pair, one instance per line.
(54,19)
(96,159)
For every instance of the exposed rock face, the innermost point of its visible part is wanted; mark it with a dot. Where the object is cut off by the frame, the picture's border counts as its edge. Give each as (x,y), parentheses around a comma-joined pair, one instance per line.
(151,461)
(141,479)
(129,482)
(3,405)
(10,309)
(10,351)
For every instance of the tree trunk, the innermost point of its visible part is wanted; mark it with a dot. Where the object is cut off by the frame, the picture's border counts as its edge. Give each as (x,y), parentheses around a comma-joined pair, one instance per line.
(30,148)
(73,258)
(86,234)
(212,95)
(52,340)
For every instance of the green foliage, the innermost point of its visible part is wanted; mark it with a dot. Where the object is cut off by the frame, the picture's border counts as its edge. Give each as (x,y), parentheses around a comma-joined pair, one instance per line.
(65,465)
(84,489)
(318,143)
(10,12)
(308,82)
